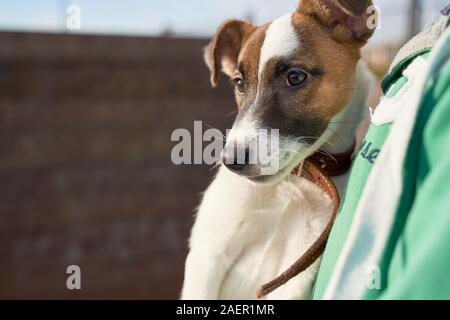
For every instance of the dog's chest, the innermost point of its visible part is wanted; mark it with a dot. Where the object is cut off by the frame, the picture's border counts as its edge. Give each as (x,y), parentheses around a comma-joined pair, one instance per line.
(279,226)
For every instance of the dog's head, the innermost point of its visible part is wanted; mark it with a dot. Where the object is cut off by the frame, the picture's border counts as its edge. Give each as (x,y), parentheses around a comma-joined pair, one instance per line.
(294,75)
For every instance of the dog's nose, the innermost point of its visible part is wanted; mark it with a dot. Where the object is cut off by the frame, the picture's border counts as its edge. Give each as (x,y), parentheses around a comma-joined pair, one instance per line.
(237,160)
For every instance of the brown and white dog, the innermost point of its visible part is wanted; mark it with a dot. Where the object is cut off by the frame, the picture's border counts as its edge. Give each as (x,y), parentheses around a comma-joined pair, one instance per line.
(300,74)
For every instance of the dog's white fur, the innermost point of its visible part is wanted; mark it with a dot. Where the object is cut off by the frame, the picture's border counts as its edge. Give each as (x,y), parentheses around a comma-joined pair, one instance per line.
(245,235)
(281,40)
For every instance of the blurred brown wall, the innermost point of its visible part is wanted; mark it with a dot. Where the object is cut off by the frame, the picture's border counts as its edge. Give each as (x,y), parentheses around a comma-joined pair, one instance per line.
(85,170)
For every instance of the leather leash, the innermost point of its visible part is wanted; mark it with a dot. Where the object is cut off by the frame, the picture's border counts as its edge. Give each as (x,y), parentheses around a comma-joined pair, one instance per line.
(318,168)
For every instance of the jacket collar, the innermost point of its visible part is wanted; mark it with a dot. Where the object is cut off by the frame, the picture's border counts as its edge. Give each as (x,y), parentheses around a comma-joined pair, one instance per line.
(418,45)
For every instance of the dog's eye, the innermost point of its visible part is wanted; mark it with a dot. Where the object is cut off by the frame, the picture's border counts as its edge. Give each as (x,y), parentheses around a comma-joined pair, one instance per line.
(239,84)
(296,78)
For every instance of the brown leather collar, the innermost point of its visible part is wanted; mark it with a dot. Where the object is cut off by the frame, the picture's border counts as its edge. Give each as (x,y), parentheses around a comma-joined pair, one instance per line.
(333,164)
(319,168)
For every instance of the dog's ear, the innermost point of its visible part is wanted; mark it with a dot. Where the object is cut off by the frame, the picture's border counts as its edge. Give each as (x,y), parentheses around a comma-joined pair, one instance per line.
(223,51)
(349,20)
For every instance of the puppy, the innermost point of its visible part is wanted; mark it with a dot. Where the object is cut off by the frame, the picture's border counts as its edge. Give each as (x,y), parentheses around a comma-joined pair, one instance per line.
(302,75)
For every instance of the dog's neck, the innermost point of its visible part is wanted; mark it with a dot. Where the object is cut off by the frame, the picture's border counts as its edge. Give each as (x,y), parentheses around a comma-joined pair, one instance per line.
(340,135)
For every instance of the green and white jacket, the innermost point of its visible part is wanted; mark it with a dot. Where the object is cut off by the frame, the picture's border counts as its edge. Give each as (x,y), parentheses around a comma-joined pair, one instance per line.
(391,239)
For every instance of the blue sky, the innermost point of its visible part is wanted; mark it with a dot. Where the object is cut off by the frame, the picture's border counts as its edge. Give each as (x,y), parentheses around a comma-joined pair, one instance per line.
(188,18)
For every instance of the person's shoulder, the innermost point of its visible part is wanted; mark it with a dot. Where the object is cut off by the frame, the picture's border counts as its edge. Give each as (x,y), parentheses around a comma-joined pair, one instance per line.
(419,46)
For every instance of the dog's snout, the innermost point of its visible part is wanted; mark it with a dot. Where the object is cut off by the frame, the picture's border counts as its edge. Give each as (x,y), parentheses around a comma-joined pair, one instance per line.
(236,159)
